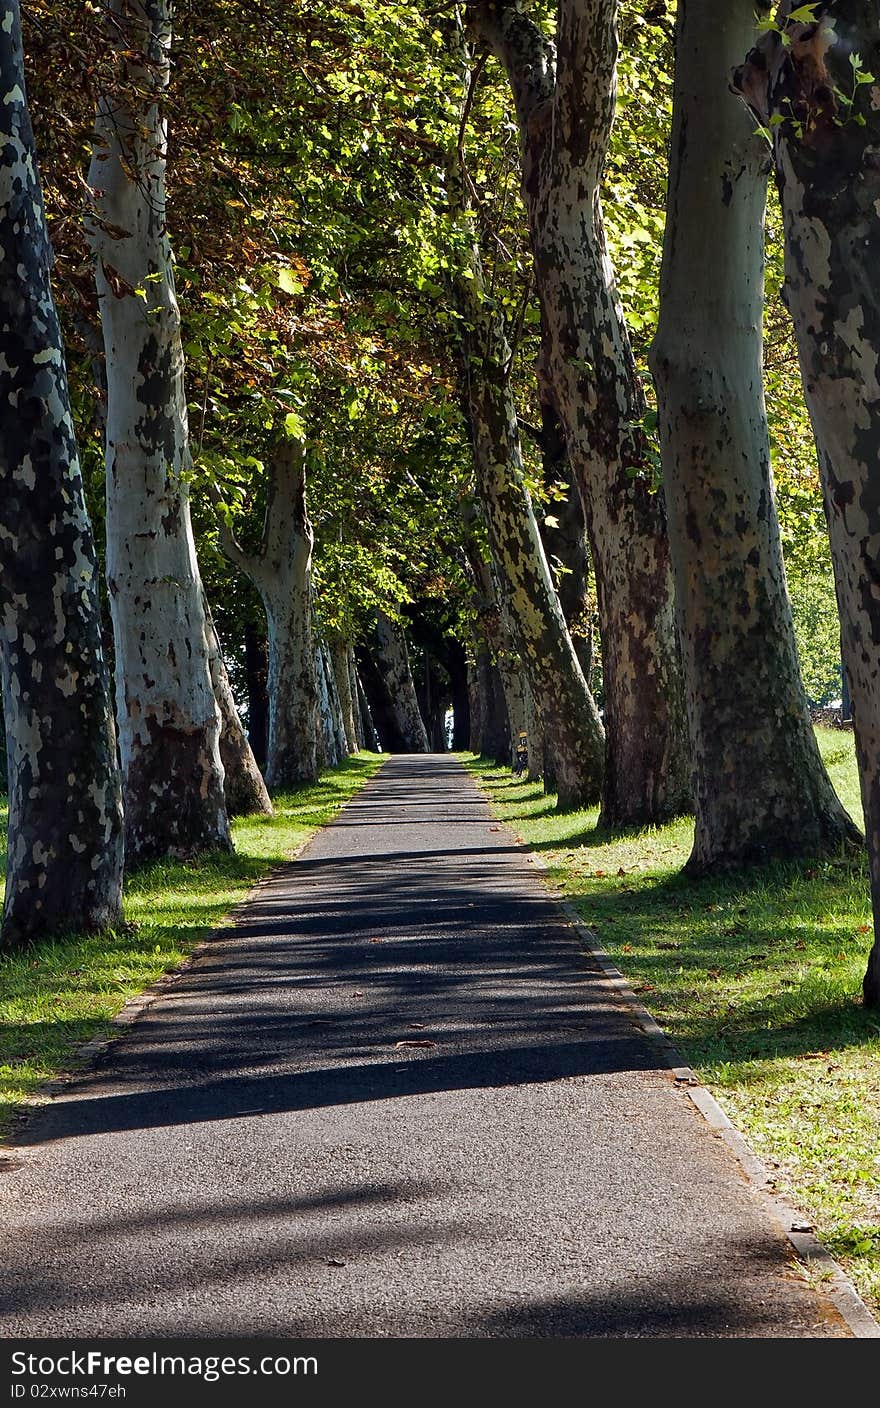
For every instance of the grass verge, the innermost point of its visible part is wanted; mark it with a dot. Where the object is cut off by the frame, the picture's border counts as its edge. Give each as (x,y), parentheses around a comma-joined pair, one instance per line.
(56,996)
(757,978)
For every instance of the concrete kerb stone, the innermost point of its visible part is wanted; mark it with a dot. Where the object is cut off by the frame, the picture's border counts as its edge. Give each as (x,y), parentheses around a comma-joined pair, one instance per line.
(809,1251)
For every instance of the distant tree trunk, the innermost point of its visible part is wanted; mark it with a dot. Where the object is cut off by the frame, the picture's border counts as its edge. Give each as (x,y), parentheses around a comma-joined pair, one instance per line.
(567,709)
(826,155)
(565,112)
(460,697)
(760,787)
(243,785)
(535,740)
(495,733)
(169,722)
(333,744)
(339,655)
(369,736)
(64,866)
(281,570)
(392,660)
(256,656)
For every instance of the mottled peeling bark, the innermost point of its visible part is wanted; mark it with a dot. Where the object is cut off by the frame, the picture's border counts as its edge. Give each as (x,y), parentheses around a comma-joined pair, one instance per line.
(169,722)
(828,171)
(340,653)
(332,741)
(64,867)
(564,98)
(281,570)
(760,787)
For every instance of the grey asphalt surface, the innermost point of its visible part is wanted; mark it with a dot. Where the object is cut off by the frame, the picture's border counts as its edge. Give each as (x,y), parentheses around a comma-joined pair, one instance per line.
(267,1152)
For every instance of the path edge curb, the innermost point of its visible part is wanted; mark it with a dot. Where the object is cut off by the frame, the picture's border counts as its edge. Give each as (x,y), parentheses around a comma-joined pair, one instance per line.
(835,1284)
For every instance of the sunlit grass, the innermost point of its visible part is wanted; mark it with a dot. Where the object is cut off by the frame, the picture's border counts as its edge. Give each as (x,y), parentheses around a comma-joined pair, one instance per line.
(56,996)
(757,977)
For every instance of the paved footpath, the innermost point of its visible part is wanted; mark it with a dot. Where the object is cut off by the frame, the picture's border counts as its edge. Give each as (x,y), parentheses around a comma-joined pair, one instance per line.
(394,1099)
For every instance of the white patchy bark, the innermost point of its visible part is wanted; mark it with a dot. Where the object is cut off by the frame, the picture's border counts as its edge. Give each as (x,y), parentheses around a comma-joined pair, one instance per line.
(281,570)
(340,655)
(169,722)
(760,786)
(332,741)
(64,867)
(565,106)
(828,170)
(568,712)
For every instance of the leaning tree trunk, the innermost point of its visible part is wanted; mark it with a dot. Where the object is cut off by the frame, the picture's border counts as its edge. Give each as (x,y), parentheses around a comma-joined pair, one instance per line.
(64,867)
(281,570)
(497,625)
(565,114)
(169,722)
(563,533)
(816,93)
(243,785)
(760,787)
(568,712)
(392,659)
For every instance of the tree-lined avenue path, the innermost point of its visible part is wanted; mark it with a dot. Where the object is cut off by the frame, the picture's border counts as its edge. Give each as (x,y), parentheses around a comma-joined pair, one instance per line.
(394,1098)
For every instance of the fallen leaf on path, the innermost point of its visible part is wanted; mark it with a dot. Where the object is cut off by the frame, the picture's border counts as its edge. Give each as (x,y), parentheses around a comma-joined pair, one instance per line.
(426,1042)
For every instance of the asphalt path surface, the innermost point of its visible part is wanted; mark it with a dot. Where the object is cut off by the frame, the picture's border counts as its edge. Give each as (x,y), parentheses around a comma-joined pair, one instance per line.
(394,1099)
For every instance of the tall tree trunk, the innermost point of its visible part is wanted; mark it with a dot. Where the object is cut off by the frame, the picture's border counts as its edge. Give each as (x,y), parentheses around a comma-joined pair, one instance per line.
(369,736)
(568,712)
(475,701)
(256,656)
(169,722)
(333,745)
(535,740)
(339,655)
(760,786)
(281,570)
(392,658)
(243,785)
(565,112)
(828,172)
(495,730)
(64,867)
